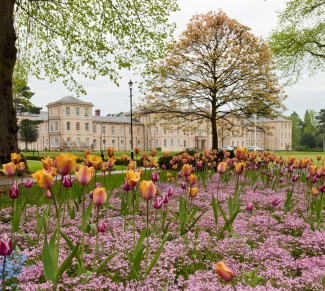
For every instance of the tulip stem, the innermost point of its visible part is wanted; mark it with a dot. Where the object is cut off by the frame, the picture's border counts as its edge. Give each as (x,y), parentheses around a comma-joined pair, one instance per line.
(96,248)
(147,251)
(83,222)
(3,272)
(233,285)
(65,204)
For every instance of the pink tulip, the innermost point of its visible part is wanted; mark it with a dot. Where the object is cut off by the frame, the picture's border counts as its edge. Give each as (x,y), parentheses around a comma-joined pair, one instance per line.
(158,203)
(14,191)
(5,246)
(28,183)
(67,182)
(102,227)
(249,207)
(170,191)
(275,202)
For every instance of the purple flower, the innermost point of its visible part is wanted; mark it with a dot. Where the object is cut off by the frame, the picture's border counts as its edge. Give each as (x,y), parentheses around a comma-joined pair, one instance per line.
(5,246)
(165,199)
(28,183)
(290,169)
(163,167)
(67,182)
(315,179)
(14,191)
(322,188)
(183,185)
(281,172)
(91,194)
(127,187)
(249,206)
(275,202)
(294,178)
(170,191)
(158,203)
(102,227)
(199,165)
(98,185)
(180,174)
(281,180)
(155,176)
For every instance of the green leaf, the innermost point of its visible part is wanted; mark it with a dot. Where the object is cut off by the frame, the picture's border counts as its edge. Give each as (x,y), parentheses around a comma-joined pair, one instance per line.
(215,210)
(48,264)
(104,263)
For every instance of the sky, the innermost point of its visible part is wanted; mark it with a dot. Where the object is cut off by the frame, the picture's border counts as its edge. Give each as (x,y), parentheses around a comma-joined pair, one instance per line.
(259,15)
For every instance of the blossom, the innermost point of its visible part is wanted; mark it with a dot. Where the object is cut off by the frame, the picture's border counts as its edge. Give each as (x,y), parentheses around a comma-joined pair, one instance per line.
(65,163)
(28,183)
(84,175)
(158,203)
(87,152)
(94,161)
(153,152)
(67,181)
(314,191)
(155,176)
(224,271)
(15,158)
(170,191)
(127,187)
(14,190)
(187,169)
(110,163)
(21,166)
(47,163)
(240,167)
(136,150)
(102,227)
(110,151)
(5,246)
(9,169)
(147,190)
(275,202)
(249,206)
(43,179)
(222,167)
(132,177)
(192,179)
(193,191)
(99,196)
(240,153)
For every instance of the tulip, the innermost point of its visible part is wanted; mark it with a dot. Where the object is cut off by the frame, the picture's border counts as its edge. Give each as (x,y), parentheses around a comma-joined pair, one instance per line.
(87,152)
(136,150)
(192,179)
(163,167)
(5,246)
(110,151)
(240,153)
(192,191)
(144,157)
(102,227)
(322,188)
(110,163)
(314,191)
(154,176)
(158,203)
(275,202)
(165,199)
(132,165)
(132,178)
(170,191)
(124,158)
(249,206)
(15,158)
(91,195)
(294,178)
(281,180)
(28,183)
(9,169)
(224,271)
(153,152)
(21,166)
(48,193)
(99,196)
(98,185)
(65,163)
(14,190)
(187,169)
(183,185)
(199,165)
(127,187)
(51,171)
(239,167)
(43,179)
(153,163)
(94,161)
(84,175)
(222,167)
(146,164)
(147,190)
(67,182)
(47,163)
(291,160)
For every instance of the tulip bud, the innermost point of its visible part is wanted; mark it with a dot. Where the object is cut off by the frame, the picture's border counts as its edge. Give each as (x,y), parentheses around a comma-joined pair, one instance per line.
(158,203)
(48,193)
(155,176)
(127,187)
(5,246)
(67,182)
(99,196)
(102,227)
(170,191)
(224,271)
(14,191)
(294,178)
(322,188)
(275,202)
(249,206)
(165,199)
(314,191)
(183,185)
(147,190)
(21,166)
(28,183)
(163,167)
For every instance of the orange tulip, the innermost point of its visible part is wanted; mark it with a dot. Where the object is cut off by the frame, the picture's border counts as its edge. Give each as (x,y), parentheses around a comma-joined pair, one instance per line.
(99,196)
(9,169)
(94,161)
(153,152)
(318,158)
(192,179)
(132,177)
(313,170)
(192,191)
(153,163)
(87,152)
(224,271)
(15,158)
(240,167)
(240,153)
(291,160)
(65,163)
(146,164)
(206,154)
(136,150)
(51,171)
(110,151)
(147,189)
(21,166)
(222,167)
(187,170)
(43,179)
(124,158)
(111,162)
(47,163)
(314,191)
(132,165)
(84,175)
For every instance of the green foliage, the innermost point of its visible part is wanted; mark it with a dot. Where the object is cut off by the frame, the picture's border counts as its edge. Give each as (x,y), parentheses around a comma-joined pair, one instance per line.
(252,279)
(308,140)
(28,131)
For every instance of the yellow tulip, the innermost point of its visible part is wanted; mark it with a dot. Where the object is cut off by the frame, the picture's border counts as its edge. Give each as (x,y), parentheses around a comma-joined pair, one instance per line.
(224,271)
(99,196)
(291,160)
(65,163)
(43,179)
(222,167)
(192,179)
(111,162)
(84,175)
(9,169)
(132,177)
(15,158)
(132,165)
(87,152)
(94,161)
(240,167)
(21,166)
(313,170)
(147,190)
(187,169)
(110,151)
(240,153)
(193,191)
(47,163)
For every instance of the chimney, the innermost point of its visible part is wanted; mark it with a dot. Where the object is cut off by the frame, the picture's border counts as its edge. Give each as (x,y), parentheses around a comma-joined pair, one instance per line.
(97,112)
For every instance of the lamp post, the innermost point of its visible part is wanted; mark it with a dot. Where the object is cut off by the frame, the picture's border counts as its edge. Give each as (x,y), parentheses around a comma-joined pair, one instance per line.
(130,87)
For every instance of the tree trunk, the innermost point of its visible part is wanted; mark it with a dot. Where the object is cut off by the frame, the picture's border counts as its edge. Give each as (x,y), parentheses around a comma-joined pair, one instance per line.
(8,51)
(214,129)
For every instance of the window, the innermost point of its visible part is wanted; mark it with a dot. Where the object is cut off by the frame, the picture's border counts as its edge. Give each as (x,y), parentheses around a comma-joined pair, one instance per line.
(122,142)
(56,126)
(67,111)
(95,143)
(138,130)
(149,130)
(113,130)
(77,111)
(113,142)
(185,143)
(77,125)
(78,141)
(68,141)
(139,143)
(57,142)
(52,141)
(165,130)
(165,142)
(178,142)
(157,143)
(121,130)
(68,125)
(104,143)
(51,128)
(104,129)
(156,130)
(87,126)
(86,111)
(87,141)
(172,142)
(177,130)
(94,128)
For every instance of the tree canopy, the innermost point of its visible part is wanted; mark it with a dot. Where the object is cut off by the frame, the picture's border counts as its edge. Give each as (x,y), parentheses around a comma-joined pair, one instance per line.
(218,70)
(299,40)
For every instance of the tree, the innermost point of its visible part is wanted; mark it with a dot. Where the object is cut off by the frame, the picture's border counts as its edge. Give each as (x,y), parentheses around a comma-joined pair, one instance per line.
(21,98)
(299,40)
(296,129)
(309,125)
(28,131)
(218,70)
(321,125)
(308,140)
(57,39)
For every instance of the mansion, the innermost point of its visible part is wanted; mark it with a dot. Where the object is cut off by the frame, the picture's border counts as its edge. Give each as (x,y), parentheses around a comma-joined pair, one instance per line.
(69,124)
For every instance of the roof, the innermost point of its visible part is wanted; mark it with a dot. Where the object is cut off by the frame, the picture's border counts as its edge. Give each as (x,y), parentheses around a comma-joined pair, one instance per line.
(69,100)
(277,119)
(115,119)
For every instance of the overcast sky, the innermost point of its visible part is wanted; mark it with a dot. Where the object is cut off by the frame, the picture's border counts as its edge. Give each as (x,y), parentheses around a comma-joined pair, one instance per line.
(259,15)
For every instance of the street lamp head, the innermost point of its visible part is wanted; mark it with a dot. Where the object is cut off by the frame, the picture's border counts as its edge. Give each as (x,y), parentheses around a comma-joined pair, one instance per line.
(130,84)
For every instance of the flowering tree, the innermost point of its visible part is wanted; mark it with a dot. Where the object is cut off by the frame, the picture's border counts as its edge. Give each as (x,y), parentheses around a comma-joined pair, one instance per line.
(218,70)
(299,41)
(57,39)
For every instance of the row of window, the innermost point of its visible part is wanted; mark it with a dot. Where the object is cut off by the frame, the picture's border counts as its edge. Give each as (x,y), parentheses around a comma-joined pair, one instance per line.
(76,111)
